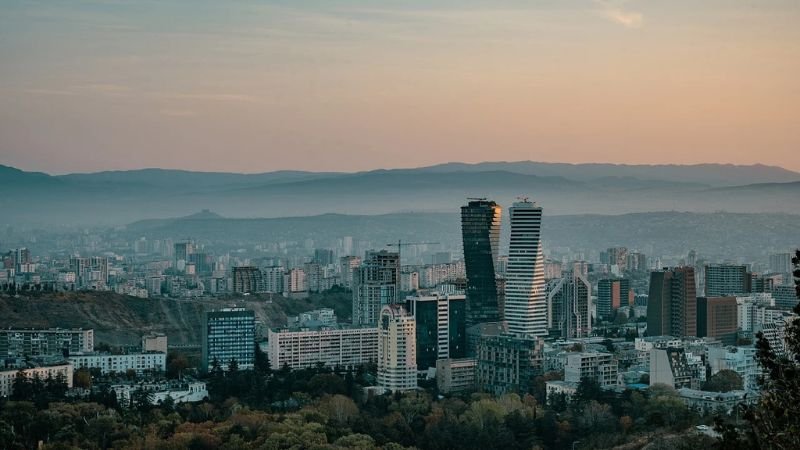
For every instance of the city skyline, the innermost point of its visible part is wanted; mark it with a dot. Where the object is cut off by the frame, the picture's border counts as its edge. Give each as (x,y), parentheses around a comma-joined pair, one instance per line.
(351,86)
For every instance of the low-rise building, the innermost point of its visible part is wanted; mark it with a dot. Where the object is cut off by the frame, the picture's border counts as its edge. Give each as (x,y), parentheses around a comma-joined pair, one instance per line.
(43,372)
(741,360)
(331,347)
(707,402)
(600,367)
(559,387)
(178,391)
(108,363)
(154,342)
(455,375)
(509,363)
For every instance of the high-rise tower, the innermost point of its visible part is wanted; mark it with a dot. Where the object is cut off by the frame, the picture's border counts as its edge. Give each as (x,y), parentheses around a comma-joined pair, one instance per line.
(525,307)
(480,230)
(672,303)
(375,284)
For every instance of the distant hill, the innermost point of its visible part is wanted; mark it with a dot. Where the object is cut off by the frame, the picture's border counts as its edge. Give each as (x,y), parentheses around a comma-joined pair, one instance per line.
(121,320)
(708,174)
(125,196)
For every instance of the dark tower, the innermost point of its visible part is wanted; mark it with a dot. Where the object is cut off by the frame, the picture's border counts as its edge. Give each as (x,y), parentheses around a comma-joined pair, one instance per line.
(480,229)
(672,303)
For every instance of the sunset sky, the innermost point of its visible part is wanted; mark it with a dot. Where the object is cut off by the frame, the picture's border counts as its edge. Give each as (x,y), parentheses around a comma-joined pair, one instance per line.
(252,86)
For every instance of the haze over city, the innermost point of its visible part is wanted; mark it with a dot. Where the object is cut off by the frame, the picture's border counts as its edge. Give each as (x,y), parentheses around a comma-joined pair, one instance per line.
(399,224)
(353,85)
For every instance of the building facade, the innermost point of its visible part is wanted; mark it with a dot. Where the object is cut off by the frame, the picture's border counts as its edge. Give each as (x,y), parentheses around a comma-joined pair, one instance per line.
(480,232)
(672,303)
(717,317)
(247,280)
(726,279)
(441,327)
(509,363)
(397,348)
(569,302)
(456,375)
(331,347)
(228,334)
(611,295)
(108,363)
(7,377)
(45,342)
(376,284)
(525,302)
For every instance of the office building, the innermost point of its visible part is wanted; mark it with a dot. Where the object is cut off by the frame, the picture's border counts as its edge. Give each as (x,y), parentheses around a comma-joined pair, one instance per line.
(440,327)
(329,346)
(785,296)
(397,359)
(672,303)
(726,279)
(509,363)
(19,343)
(717,318)
(569,301)
(611,295)
(376,284)
(247,280)
(525,302)
(480,231)
(228,334)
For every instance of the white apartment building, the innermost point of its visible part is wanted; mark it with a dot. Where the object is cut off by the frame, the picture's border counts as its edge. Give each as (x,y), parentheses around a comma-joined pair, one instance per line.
(345,347)
(397,343)
(107,363)
(7,376)
(601,367)
(741,360)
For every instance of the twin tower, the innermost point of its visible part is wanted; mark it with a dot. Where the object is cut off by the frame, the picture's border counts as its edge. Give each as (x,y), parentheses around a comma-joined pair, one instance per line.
(518,297)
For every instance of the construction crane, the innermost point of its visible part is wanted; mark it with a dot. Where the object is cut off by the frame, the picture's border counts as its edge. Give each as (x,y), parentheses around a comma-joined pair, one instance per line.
(400,244)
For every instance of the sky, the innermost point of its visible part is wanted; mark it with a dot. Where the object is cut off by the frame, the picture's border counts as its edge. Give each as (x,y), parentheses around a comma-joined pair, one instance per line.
(254,86)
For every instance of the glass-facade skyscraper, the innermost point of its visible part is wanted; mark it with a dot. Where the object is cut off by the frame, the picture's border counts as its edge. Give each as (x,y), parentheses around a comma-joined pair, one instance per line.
(480,229)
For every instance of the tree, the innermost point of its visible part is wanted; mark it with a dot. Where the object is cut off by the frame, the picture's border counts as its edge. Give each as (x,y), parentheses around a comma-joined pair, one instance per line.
(21,387)
(82,379)
(233,366)
(723,381)
(774,422)
(176,364)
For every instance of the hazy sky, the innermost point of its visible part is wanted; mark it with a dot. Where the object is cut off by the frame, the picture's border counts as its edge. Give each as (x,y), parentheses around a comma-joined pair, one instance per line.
(352,85)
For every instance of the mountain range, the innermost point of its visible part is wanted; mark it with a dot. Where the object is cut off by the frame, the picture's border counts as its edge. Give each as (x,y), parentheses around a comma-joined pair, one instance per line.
(116,197)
